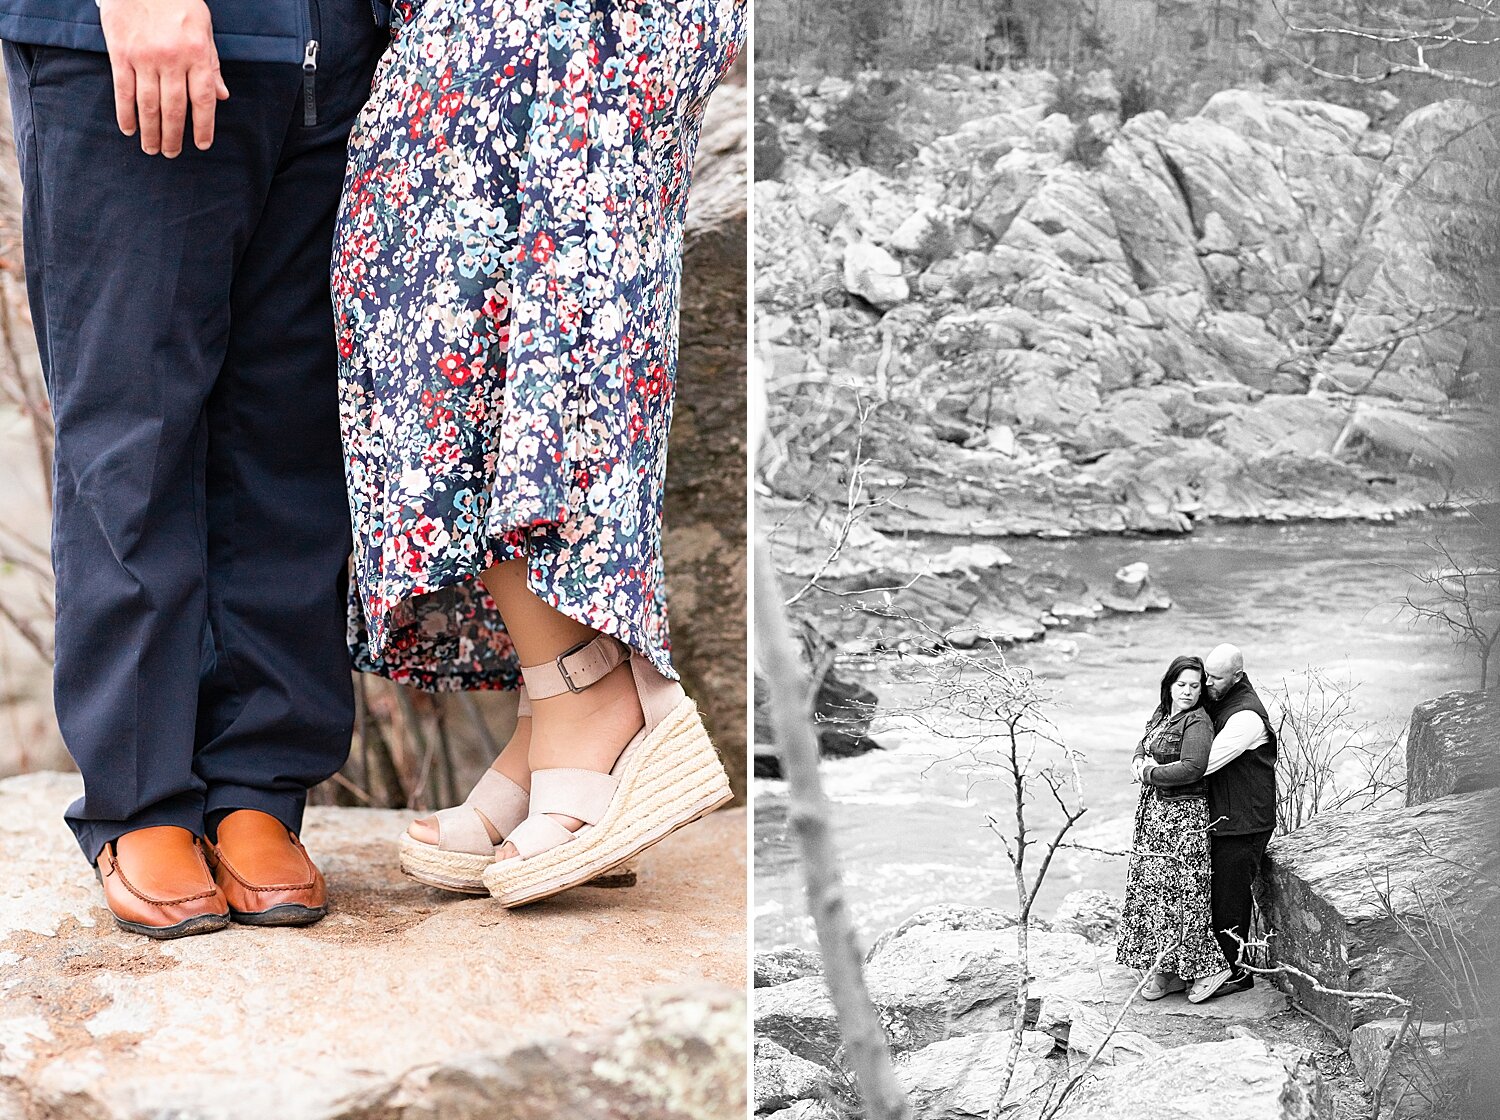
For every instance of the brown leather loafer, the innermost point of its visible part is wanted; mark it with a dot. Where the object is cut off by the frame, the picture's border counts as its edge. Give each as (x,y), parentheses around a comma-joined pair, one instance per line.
(265,872)
(157,884)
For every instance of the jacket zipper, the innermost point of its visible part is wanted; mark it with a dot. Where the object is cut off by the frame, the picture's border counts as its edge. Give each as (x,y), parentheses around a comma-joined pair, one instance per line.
(309,83)
(310,68)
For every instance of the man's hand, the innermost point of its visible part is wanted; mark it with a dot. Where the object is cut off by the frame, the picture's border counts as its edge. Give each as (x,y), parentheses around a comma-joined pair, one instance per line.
(163,57)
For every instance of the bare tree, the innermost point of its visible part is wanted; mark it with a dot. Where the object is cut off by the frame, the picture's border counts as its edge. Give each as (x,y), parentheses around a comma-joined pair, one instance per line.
(1415,42)
(864,1039)
(996,714)
(1327,758)
(1461,592)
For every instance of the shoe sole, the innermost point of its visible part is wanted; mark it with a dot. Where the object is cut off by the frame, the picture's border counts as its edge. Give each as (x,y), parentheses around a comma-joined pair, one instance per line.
(203,923)
(287,914)
(673,779)
(462,872)
(1208,995)
(1152,997)
(425,864)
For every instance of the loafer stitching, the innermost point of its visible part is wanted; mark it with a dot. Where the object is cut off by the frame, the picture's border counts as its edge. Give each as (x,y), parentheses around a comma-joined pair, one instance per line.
(249,886)
(114,864)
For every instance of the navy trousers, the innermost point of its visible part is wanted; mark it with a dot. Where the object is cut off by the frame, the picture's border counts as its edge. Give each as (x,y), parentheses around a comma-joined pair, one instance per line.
(201,531)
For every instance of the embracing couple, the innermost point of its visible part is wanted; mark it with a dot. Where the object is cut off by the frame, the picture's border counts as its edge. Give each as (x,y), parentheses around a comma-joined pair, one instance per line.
(1207,767)
(496,192)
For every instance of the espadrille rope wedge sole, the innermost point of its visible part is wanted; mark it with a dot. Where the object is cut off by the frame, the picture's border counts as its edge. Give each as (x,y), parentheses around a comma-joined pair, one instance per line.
(668,776)
(468,834)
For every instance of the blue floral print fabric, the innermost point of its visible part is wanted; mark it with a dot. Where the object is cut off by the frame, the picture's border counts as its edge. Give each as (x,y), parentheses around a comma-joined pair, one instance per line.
(505,281)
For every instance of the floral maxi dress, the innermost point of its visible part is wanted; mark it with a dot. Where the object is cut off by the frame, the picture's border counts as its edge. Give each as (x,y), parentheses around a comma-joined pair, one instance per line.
(505,279)
(1168,889)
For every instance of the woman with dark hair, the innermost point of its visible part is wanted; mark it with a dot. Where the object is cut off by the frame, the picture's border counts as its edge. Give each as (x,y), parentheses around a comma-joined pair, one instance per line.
(1166,923)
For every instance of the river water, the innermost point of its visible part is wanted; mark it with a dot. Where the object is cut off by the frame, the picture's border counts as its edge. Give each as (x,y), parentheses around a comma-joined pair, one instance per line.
(1325,595)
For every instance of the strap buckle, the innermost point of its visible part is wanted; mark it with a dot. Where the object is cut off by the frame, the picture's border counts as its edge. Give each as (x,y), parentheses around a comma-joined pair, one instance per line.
(563,669)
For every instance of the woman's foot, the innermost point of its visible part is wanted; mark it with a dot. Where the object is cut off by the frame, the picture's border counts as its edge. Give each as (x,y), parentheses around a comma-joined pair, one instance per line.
(511,764)
(1205,987)
(451,848)
(641,769)
(583,730)
(1163,984)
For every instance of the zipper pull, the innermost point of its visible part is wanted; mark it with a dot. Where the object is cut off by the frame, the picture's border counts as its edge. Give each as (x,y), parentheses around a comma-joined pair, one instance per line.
(309,80)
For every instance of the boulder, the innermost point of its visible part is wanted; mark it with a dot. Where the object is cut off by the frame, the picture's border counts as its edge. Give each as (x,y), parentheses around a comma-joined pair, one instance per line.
(843,710)
(959,1078)
(1092,914)
(928,984)
(405,1002)
(780,966)
(945,915)
(1346,894)
(799,1017)
(782,1078)
(1238,1079)
(1453,746)
(1133,591)
(874,275)
(1429,1072)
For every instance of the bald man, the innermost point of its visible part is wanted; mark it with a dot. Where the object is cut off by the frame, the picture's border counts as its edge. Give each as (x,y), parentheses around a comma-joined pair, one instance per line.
(1241,776)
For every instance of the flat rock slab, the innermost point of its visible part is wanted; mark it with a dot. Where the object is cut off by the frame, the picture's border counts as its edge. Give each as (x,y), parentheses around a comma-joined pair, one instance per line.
(1077,1009)
(405,1001)
(1237,1079)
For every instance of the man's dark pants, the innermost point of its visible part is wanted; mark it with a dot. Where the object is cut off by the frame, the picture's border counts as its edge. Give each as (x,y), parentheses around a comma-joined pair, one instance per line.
(1235,863)
(201,529)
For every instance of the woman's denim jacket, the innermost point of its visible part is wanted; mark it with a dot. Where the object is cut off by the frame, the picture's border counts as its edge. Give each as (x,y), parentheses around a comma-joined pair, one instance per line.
(1179,747)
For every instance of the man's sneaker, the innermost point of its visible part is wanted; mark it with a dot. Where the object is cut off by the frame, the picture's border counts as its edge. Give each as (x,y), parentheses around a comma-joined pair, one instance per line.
(1205,986)
(1163,984)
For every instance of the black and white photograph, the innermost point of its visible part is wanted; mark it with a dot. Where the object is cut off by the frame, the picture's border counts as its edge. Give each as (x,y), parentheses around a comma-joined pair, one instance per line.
(1127,570)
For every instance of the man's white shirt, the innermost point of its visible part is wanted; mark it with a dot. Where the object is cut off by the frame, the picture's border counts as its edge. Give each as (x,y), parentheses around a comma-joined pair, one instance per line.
(1244,731)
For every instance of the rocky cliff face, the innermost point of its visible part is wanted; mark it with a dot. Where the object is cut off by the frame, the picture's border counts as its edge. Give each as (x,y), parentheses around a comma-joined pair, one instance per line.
(1254,312)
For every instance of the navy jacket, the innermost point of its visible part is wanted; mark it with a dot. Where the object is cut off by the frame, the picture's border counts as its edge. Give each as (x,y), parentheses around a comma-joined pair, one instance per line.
(244,30)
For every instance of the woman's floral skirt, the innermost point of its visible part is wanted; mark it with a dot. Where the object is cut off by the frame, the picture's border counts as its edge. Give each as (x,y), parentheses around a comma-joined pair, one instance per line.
(505,284)
(1167,900)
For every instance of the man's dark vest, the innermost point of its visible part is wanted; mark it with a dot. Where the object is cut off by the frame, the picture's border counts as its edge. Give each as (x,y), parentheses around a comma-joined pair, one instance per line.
(244,30)
(1242,795)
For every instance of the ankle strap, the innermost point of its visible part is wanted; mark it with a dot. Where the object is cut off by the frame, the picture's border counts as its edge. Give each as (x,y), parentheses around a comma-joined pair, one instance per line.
(575,669)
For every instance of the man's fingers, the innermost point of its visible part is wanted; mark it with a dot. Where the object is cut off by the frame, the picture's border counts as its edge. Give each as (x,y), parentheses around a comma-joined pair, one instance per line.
(124,96)
(148,107)
(203,88)
(174,103)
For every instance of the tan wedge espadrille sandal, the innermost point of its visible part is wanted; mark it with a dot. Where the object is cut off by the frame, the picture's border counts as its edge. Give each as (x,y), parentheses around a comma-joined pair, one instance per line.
(468,834)
(667,776)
